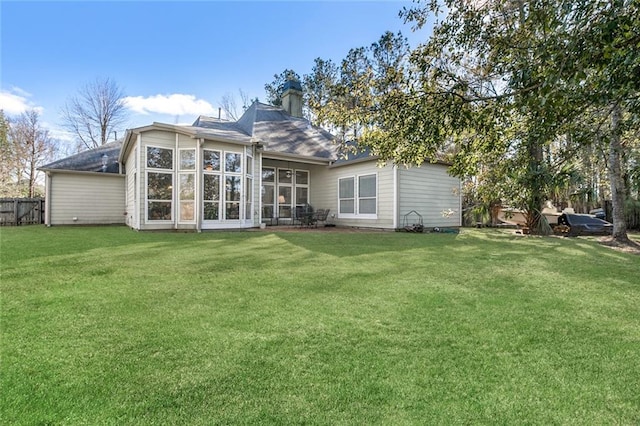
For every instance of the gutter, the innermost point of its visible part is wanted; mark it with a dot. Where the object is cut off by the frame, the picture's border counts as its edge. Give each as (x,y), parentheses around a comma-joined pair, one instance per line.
(274,155)
(81,172)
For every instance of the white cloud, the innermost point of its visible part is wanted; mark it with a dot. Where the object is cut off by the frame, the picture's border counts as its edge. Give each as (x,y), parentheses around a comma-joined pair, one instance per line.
(174,104)
(15,101)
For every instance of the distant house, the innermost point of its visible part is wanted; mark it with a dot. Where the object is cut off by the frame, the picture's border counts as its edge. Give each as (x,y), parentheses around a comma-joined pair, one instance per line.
(263,168)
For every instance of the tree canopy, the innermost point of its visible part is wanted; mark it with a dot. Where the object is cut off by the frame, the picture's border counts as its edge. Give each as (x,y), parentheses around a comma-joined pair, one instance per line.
(512,92)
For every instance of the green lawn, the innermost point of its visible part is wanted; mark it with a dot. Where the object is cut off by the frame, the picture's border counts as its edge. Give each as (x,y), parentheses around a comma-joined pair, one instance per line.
(111,326)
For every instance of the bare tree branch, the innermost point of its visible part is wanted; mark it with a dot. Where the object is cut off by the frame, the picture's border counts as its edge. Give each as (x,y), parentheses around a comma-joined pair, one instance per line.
(95,112)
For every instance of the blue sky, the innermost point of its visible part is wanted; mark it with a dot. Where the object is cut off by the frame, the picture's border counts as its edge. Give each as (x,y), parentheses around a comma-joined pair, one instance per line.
(174,60)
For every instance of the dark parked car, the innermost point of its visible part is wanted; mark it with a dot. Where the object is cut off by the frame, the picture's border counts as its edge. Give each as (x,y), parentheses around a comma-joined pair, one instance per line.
(584,224)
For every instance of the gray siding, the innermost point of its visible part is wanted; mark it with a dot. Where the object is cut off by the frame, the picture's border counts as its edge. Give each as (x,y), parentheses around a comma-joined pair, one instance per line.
(132,177)
(89,198)
(429,190)
(325,190)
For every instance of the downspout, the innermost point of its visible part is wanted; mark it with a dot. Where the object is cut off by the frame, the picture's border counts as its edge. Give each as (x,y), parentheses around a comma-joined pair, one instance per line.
(395,197)
(140,178)
(460,202)
(199,178)
(259,196)
(47,205)
(174,190)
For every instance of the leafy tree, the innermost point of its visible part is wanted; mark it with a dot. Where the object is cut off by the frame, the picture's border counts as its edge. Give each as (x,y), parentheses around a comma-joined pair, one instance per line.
(95,112)
(318,90)
(389,60)
(503,82)
(345,98)
(275,88)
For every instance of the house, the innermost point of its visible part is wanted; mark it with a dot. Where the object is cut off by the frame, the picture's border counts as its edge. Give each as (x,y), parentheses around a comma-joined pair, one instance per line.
(217,174)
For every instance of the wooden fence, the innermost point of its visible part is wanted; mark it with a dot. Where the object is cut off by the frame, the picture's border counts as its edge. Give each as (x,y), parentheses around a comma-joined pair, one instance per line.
(21,211)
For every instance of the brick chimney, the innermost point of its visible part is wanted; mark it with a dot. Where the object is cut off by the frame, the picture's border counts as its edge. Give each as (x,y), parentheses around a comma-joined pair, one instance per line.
(292,98)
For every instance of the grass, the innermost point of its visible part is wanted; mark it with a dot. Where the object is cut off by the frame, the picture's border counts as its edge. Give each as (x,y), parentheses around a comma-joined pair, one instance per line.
(111,326)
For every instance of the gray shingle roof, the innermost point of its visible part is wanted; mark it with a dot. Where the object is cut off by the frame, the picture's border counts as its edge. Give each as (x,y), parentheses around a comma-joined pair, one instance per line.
(275,128)
(283,133)
(278,131)
(91,160)
(213,128)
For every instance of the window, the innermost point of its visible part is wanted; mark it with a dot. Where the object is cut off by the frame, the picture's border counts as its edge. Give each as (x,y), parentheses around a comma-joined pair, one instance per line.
(248,204)
(249,165)
(233,162)
(367,194)
(159,183)
(186,185)
(285,179)
(187,196)
(358,196)
(233,186)
(248,190)
(211,160)
(187,159)
(211,197)
(284,201)
(268,192)
(302,189)
(222,185)
(346,196)
(159,158)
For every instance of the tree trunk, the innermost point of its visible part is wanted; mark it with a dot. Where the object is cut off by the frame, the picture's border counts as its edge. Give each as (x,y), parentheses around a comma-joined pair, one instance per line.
(617,182)
(536,186)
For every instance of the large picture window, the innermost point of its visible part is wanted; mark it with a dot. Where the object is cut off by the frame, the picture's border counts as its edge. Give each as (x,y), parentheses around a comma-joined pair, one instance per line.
(211,197)
(187,185)
(222,185)
(159,184)
(233,186)
(358,196)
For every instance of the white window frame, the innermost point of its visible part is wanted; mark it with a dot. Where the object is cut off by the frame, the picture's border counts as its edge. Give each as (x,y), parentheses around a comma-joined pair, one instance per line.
(146,186)
(272,186)
(186,172)
(291,204)
(248,187)
(239,175)
(219,174)
(301,185)
(356,198)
